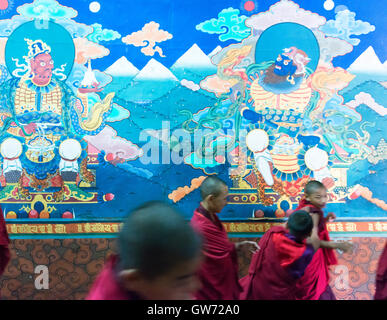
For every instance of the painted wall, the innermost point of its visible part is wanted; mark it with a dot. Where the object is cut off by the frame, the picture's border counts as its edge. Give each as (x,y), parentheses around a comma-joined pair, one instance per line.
(104,106)
(100,113)
(73,264)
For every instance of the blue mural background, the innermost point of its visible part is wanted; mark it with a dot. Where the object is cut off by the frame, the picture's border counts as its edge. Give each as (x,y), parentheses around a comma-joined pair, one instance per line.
(157,57)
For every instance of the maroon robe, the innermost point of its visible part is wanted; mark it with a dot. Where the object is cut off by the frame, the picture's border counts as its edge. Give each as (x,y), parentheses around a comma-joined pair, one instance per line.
(107,285)
(4,242)
(381,277)
(276,267)
(218,272)
(314,284)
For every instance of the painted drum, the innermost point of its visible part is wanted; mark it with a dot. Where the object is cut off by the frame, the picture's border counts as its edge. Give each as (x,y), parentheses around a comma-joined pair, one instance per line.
(285,155)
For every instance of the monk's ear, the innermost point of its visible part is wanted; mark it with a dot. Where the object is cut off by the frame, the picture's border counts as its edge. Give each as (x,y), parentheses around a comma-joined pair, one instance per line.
(209,198)
(131,279)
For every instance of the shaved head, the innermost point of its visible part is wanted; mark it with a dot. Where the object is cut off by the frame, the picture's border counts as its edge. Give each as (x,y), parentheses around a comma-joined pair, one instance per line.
(212,185)
(313,186)
(300,224)
(155,238)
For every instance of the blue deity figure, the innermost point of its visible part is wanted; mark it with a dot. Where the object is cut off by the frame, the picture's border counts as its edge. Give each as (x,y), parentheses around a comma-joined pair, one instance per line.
(284,66)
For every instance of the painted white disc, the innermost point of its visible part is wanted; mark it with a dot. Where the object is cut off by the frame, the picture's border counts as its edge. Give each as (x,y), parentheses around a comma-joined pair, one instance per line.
(257,140)
(70,149)
(316,159)
(11,148)
(94,6)
(329,5)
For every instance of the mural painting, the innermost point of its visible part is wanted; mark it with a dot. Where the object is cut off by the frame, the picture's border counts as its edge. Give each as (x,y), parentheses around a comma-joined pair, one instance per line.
(105,105)
(98,116)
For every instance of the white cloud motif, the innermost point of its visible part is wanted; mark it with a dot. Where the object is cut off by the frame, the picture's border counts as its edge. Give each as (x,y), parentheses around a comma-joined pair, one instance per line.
(368,100)
(7,26)
(190,85)
(331,47)
(108,141)
(46,9)
(345,25)
(287,11)
(284,11)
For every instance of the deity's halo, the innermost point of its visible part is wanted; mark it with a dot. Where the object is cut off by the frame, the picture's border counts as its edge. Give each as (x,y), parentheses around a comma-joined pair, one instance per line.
(285,35)
(51,33)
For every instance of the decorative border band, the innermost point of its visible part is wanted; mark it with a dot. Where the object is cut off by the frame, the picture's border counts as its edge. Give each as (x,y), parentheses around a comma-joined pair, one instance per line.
(74,229)
(62,229)
(334,227)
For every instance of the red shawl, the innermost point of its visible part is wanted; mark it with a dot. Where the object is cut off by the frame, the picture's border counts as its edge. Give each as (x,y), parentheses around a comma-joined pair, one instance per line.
(4,241)
(381,277)
(107,286)
(268,278)
(316,277)
(219,270)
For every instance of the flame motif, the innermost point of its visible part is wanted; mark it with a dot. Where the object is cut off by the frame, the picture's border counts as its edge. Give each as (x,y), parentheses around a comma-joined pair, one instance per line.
(367,194)
(181,192)
(95,119)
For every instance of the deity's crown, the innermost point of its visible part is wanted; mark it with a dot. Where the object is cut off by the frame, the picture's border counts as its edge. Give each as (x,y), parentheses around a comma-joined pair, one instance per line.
(36,47)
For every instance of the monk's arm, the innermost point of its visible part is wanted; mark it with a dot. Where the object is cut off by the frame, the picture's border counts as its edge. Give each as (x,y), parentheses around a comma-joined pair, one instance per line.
(251,244)
(314,239)
(344,246)
(329,244)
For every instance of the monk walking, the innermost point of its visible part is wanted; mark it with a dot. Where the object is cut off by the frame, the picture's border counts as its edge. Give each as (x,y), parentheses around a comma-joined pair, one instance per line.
(282,259)
(314,284)
(219,270)
(158,257)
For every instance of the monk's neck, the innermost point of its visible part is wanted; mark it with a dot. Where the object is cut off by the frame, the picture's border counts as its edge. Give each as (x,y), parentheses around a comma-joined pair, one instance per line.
(212,214)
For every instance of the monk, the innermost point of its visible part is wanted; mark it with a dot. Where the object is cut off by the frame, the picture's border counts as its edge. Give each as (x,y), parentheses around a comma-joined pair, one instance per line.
(381,277)
(281,260)
(314,284)
(4,243)
(219,271)
(158,257)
